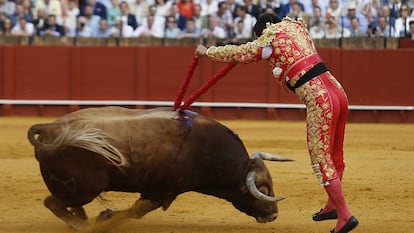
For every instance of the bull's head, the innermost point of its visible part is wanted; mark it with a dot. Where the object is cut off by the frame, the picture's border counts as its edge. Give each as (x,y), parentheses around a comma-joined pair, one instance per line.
(261,202)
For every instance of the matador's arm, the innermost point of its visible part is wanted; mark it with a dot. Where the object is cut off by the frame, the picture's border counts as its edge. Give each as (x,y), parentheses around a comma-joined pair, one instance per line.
(245,53)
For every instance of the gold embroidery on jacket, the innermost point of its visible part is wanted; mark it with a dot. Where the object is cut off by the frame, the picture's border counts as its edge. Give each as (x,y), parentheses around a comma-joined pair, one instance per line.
(244,53)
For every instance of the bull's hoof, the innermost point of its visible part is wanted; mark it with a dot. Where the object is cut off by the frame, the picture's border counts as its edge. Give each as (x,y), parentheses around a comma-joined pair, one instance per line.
(78,212)
(105,215)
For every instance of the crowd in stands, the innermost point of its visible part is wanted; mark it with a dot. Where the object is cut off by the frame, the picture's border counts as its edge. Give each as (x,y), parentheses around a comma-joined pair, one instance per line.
(222,19)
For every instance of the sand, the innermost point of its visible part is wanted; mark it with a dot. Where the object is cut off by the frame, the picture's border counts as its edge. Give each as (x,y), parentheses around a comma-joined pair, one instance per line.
(378,185)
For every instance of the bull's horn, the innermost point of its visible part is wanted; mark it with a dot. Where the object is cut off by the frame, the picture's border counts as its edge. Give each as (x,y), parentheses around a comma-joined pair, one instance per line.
(251,186)
(271,157)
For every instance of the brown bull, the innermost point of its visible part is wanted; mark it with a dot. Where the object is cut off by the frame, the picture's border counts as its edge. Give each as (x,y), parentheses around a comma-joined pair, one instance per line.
(158,152)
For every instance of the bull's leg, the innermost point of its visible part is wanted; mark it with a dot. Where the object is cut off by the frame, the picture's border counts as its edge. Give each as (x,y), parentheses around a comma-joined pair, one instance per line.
(75,218)
(78,211)
(108,219)
(138,210)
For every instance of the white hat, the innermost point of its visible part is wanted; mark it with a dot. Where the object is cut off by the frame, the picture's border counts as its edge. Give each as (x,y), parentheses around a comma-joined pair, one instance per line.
(351,5)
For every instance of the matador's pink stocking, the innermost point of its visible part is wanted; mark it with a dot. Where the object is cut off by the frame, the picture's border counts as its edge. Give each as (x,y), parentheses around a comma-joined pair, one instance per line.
(330,205)
(334,190)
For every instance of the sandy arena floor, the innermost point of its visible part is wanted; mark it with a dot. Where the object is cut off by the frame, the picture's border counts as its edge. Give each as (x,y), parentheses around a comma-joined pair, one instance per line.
(378,184)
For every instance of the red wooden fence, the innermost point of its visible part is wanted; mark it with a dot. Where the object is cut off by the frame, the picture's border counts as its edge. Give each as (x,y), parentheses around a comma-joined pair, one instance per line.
(370,77)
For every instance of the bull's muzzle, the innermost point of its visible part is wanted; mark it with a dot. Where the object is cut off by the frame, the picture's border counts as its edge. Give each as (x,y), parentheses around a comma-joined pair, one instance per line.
(267,219)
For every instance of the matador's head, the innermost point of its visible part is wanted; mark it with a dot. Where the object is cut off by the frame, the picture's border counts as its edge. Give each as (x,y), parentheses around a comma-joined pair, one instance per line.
(262,22)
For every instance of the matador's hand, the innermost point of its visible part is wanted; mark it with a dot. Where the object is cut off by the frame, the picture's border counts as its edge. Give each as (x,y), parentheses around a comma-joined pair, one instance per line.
(200,50)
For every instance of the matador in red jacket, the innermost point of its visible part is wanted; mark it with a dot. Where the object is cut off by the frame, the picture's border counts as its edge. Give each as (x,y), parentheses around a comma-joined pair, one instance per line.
(287,47)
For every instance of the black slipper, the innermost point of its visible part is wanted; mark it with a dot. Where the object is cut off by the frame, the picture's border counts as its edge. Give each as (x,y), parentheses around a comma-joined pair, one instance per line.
(349,226)
(325,216)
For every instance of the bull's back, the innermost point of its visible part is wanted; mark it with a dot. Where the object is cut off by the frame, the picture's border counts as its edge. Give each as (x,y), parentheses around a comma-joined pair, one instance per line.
(160,147)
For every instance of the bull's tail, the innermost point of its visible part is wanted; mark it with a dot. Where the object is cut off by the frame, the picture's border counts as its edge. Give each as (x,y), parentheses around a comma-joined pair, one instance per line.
(88,138)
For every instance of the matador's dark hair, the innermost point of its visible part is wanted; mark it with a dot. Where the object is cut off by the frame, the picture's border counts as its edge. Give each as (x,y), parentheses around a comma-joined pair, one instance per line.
(261,22)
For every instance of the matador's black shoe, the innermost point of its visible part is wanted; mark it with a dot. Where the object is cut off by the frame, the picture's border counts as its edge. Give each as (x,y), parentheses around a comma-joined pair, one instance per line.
(324,216)
(349,226)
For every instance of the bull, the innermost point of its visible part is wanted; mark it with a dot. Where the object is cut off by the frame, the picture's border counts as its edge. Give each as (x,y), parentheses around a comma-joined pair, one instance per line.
(159,153)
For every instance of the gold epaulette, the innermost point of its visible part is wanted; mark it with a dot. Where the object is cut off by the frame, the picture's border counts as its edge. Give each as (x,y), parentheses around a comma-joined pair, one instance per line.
(267,36)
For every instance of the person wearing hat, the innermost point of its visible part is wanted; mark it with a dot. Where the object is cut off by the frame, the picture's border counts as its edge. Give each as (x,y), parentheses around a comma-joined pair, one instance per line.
(352,12)
(289,50)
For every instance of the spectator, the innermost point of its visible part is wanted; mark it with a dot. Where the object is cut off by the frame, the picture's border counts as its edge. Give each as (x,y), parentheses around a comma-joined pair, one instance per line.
(8,7)
(386,12)
(383,29)
(120,29)
(411,24)
(224,18)
(358,3)
(171,30)
(239,30)
(52,7)
(371,11)
(199,20)
(213,29)
(104,30)
(186,8)
(72,8)
(333,10)
(311,4)
(317,22)
(401,24)
(190,31)
(209,7)
(69,14)
(356,31)
(23,28)
(286,9)
(317,30)
(19,13)
(394,6)
(41,19)
(163,7)
(51,28)
(107,3)
(6,27)
(141,10)
(252,8)
(232,5)
(317,17)
(82,29)
(352,13)
(332,31)
(98,8)
(272,4)
(297,12)
(90,18)
(113,13)
(152,25)
(175,12)
(248,20)
(27,8)
(126,17)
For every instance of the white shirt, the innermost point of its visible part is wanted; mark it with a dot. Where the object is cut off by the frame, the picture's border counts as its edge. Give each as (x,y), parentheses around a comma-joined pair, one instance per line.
(127,31)
(29,29)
